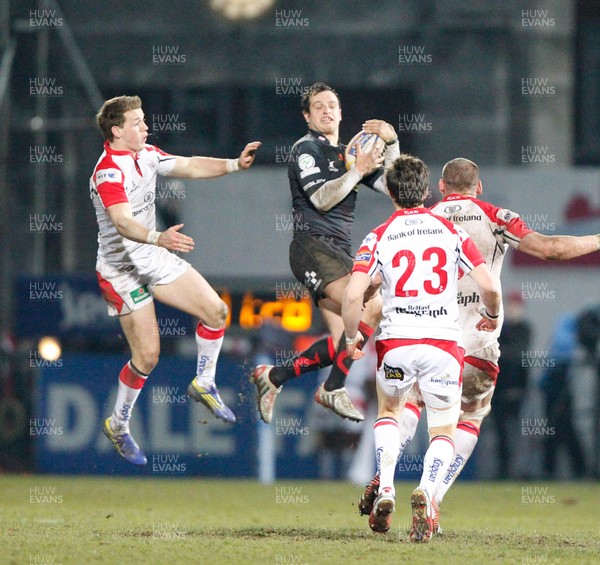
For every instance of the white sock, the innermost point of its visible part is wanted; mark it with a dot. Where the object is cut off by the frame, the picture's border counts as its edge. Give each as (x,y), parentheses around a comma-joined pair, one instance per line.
(387,447)
(436,462)
(407,425)
(209,341)
(465,440)
(131,382)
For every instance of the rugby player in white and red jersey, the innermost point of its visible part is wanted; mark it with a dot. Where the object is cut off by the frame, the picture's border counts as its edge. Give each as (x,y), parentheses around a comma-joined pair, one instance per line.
(135,263)
(419,257)
(493,230)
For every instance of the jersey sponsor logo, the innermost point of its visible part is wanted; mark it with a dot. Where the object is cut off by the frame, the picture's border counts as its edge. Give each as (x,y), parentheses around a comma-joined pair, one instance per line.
(371,237)
(363,257)
(109,175)
(466,218)
(332,166)
(419,311)
(413,221)
(148,197)
(506,215)
(452,209)
(395,373)
(313,183)
(142,210)
(310,172)
(306,161)
(140,294)
(466,299)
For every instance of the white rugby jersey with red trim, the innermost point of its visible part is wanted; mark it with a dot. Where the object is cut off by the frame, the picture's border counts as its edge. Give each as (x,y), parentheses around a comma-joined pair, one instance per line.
(419,256)
(121,176)
(492,229)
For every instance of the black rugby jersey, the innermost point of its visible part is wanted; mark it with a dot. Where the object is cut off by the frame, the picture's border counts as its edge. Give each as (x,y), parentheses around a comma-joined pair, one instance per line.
(315,161)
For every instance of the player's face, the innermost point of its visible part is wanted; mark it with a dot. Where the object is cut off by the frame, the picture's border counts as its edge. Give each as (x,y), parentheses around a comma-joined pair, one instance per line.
(132,136)
(325,113)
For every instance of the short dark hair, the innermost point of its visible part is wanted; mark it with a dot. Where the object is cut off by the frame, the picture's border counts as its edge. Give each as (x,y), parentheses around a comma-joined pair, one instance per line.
(460,174)
(407,181)
(311,91)
(113,111)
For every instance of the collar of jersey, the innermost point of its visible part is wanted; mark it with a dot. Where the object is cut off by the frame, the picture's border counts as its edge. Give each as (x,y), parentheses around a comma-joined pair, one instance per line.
(455,196)
(410,212)
(112,151)
(319,136)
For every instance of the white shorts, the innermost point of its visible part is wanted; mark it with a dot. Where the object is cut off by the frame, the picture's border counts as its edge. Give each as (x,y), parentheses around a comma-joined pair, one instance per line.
(434,364)
(128,286)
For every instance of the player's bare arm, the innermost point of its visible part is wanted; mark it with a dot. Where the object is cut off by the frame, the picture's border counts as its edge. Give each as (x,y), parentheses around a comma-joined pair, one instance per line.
(210,167)
(489,290)
(128,227)
(352,306)
(334,191)
(558,247)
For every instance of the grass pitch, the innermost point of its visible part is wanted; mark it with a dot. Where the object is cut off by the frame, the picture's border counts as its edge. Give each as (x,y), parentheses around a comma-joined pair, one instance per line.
(77,520)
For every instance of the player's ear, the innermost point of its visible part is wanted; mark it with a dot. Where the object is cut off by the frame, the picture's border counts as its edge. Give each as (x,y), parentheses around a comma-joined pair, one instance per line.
(116,131)
(479,188)
(442,187)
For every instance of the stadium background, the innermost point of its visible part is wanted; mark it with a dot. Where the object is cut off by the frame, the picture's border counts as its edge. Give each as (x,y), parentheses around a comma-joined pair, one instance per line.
(513,86)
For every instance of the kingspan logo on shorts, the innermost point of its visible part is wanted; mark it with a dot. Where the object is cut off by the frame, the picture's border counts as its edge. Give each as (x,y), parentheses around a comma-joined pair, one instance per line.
(444,380)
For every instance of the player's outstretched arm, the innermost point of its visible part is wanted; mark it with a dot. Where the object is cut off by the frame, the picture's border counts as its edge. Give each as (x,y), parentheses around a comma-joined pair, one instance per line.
(489,290)
(334,191)
(210,167)
(128,227)
(351,311)
(558,247)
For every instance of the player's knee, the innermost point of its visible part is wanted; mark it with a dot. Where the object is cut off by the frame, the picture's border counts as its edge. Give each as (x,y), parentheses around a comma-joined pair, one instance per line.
(146,360)
(475,416)
(218,316)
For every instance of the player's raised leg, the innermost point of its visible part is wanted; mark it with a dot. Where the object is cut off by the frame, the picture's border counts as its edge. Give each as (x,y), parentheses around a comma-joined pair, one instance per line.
(192,294)
(144,343)
(270,379)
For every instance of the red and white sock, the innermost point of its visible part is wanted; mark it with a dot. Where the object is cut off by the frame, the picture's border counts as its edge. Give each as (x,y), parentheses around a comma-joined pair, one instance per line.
(131,381)
(387,447)
(465,440)
(435,465)
(209,342)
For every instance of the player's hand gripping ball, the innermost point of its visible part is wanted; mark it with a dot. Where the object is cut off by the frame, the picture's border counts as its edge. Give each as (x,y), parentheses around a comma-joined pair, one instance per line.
(366,141)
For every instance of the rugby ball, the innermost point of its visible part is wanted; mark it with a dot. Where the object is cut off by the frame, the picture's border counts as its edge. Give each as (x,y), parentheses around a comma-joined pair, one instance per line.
(367,142)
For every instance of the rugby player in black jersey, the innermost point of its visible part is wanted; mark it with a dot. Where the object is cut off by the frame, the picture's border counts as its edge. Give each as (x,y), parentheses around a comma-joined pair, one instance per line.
(323,198)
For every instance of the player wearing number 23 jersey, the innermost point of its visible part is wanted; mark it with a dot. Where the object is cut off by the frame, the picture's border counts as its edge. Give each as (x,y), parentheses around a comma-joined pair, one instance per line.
(420,256)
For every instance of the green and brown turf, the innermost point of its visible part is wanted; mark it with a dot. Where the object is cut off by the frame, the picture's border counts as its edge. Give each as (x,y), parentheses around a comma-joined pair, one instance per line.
(77,520)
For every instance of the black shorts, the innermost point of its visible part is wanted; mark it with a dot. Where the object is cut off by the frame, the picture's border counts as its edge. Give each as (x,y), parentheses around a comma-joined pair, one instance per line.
(317,260)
